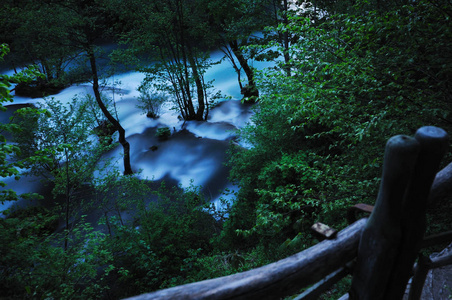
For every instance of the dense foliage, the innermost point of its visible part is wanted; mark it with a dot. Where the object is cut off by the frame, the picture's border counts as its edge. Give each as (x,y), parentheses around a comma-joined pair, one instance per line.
(7,167)
(154,249)
(346,77)
(317,136)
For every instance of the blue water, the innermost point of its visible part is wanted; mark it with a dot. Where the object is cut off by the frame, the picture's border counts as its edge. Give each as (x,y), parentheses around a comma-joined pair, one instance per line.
(195,152)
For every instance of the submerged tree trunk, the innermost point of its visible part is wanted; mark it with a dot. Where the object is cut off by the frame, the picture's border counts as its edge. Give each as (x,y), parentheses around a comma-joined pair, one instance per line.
(199,88)
(113,121)
(230,55)
(250,90)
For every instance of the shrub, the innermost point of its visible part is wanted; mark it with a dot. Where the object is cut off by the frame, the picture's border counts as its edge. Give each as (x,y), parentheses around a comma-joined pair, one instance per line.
(150,101)
(318,135)
(163,133)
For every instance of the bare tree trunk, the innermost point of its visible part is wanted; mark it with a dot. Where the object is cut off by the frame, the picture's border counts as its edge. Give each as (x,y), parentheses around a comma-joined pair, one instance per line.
(68,195)
(199,87)
(285,39)
(113,121)
(230,55)
(251,89)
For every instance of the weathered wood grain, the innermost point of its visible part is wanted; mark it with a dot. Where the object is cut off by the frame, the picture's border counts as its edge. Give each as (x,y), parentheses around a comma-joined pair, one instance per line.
(315,291)
(381,236)
(284,277)
(433,145)
(442,185)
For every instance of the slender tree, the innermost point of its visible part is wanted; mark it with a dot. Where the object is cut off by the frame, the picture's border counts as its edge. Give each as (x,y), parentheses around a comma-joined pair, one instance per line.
(177,36)
(236,24)
(60,133)
(50,33)
(87,23)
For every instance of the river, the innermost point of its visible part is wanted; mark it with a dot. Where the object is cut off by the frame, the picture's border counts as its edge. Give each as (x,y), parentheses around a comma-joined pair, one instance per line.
(195,152)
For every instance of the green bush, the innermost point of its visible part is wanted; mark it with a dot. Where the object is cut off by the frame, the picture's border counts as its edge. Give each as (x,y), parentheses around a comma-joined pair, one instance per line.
(163,133)
(317,137)
(158,247)
(150,101)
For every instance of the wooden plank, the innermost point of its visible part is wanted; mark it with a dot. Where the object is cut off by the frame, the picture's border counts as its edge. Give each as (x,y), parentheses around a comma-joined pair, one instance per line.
(324,231)
(358,208)
(281,278)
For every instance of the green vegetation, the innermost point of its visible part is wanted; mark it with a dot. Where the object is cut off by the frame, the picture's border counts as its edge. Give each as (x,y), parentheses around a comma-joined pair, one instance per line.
(32,29)
(163,133)
(150,101)
(346,78)
(317,135)
(158,247)
(8,167)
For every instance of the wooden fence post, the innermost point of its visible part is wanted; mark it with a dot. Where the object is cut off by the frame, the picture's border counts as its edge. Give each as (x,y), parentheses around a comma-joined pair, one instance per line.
(381,236)
(393,235)
(388,245)
(433,145)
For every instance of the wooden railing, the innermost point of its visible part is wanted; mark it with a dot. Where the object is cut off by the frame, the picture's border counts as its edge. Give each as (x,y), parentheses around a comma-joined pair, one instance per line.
(379,251)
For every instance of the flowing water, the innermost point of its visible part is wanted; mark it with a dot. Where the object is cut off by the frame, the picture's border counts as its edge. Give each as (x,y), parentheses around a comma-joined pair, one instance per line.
(195,152)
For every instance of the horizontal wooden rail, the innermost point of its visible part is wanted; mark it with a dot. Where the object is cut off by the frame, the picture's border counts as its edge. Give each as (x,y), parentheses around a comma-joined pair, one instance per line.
(278,279)
(440,238)
(326,283)
(388,243)
(423,266)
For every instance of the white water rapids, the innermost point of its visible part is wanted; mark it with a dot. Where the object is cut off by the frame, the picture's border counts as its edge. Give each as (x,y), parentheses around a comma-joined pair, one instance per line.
(195,152)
